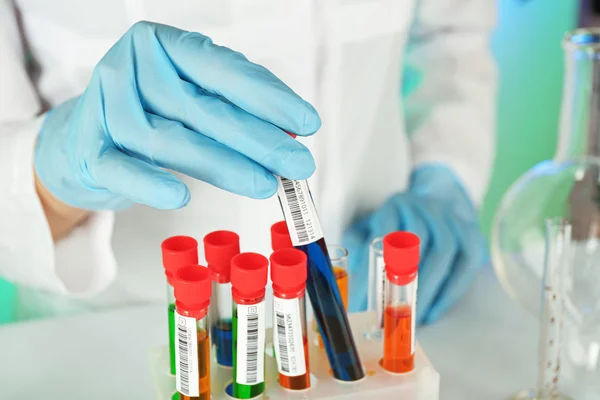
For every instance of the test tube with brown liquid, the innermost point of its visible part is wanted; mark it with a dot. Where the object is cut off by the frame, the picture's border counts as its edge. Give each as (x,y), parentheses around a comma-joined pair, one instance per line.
(290,340)
(192,284)
(176,252)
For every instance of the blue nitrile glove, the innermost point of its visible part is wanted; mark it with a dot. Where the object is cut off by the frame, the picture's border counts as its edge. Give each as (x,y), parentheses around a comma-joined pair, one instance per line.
(439,211)
(162,98)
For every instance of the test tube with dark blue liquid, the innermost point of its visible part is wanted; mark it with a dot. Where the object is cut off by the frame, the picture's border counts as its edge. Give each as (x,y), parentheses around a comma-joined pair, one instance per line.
(219,248)
(306,234)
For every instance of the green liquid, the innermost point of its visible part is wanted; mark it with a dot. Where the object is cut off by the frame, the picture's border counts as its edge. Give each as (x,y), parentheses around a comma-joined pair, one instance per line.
(242,391)
(172,347)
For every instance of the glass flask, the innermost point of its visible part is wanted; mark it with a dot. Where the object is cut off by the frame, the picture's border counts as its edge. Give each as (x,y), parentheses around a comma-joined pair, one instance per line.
(569,336)
(567,186)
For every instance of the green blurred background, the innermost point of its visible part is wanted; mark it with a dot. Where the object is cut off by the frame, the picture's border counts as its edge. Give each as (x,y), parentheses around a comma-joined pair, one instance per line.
(7,294)
(530,61)
(527,48)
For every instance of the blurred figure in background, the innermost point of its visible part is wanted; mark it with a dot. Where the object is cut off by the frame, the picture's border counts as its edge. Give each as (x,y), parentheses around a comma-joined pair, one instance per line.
(138,117)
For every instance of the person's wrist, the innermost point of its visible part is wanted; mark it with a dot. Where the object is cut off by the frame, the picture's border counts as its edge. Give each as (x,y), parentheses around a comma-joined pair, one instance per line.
(61,216)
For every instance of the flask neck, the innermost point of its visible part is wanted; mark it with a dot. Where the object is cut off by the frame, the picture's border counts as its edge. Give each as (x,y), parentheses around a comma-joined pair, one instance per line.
(580,119)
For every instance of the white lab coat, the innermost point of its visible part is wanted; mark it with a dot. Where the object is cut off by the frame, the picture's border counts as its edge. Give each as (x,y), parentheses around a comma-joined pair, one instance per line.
(344,56)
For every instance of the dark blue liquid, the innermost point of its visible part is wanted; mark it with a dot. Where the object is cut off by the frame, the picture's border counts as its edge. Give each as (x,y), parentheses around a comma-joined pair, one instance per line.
(223,340)
(330,314)
(229,389)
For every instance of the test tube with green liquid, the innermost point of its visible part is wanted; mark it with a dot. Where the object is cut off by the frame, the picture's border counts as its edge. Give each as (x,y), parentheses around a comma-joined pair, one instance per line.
(248,280)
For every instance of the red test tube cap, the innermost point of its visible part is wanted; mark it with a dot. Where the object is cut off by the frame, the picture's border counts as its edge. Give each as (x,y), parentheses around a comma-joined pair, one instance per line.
(178,251)
(193,286)
(288,271)
(249,275)
(280,236)
(401,253)
(219,248)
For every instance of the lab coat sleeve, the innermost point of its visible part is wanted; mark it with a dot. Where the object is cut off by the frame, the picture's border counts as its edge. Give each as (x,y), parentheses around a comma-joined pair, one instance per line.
(450,89)
(82,263)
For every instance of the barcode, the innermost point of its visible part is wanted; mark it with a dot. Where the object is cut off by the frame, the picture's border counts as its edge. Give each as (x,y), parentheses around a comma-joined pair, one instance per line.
(282,343)
(252,349)
(184,367)
(288,336)
(295,210)
(250,343)
(186,356)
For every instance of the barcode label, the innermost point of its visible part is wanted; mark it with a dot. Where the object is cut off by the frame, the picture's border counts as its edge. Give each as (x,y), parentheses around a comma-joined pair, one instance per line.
(186,356)
(287,337)
(250,359)
(299,211)
(379,290)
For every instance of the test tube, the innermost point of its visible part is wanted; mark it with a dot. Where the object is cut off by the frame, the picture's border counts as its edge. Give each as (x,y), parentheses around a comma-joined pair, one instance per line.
(306,234)
(280,236)
(339,260)
(288,274)
(376,299)
(248,280)
(192,293)
(219,248)
(176,251)
(401,256)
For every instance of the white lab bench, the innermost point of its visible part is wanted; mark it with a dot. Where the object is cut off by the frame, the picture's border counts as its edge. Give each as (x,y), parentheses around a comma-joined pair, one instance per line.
(485,348)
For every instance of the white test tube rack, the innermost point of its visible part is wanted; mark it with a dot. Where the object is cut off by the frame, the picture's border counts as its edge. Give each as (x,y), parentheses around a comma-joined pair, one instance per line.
(421,384)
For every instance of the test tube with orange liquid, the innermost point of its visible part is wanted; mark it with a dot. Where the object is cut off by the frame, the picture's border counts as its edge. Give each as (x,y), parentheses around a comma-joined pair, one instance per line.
(401,257)
(339,260)
(192,285)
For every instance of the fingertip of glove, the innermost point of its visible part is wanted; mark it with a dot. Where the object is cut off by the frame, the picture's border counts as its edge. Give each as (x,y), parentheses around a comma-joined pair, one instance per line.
(186,198)
(264,194)
(298,164)
(265,186)
(177,195)
(312,120)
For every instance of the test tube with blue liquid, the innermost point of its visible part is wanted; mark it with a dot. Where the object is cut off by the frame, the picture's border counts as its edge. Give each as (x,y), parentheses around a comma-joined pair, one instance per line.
(219,248)
(306,234)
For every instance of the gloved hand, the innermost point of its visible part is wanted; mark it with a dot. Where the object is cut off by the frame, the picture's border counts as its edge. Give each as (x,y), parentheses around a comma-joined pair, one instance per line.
(438,210)
(162,98)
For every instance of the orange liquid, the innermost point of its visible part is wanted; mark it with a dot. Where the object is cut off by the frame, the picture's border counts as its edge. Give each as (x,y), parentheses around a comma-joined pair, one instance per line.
(341,277)
(398,354)
(297,382)
(203,368)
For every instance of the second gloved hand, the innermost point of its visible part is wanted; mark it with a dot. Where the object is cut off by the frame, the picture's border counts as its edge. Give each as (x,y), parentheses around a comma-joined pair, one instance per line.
(438,210)
(165,99)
